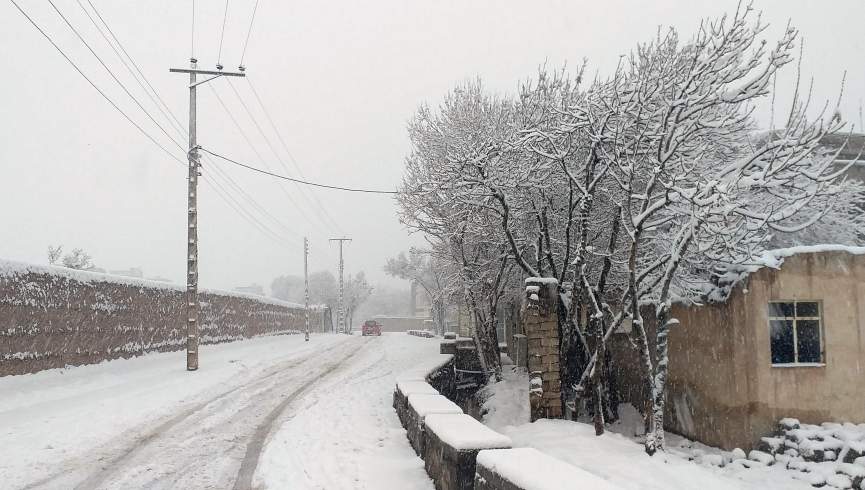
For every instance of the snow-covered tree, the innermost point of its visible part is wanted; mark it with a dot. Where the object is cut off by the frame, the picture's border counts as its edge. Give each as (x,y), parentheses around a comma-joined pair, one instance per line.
(420,267)
(631,191)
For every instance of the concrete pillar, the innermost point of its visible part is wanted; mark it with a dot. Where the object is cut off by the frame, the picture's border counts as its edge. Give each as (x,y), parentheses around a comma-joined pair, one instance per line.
(541,323)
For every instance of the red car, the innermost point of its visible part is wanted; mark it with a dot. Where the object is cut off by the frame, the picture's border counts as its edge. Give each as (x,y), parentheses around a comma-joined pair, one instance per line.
(371,327)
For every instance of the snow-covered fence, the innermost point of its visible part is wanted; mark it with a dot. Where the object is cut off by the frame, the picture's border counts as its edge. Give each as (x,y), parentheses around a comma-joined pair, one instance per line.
(51,317)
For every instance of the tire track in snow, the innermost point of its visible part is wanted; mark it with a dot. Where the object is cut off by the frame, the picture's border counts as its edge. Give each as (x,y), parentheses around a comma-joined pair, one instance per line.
(256,444)
(148,434)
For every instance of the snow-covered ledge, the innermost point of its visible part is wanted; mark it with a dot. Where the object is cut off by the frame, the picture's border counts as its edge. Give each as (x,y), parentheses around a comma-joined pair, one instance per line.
(505,469)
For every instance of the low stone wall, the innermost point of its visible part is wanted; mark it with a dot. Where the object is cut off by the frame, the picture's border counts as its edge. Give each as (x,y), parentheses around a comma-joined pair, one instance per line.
(461,453)
(52,317)
(419,396)
(453,442)
(421,406)
(530,469)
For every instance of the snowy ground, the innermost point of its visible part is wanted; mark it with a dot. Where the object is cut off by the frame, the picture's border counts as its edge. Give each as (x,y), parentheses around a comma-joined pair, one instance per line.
(618,456)
(346,434)
(145,422)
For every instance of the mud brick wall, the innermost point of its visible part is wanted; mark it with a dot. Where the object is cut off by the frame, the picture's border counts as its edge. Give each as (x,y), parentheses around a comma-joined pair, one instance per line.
(51,317)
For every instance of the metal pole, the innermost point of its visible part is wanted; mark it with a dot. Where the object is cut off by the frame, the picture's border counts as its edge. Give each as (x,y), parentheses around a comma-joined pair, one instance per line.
(306,282)
(192,255)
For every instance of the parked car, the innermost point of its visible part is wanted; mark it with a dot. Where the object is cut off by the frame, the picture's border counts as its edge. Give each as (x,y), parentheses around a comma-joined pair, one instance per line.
(371,327)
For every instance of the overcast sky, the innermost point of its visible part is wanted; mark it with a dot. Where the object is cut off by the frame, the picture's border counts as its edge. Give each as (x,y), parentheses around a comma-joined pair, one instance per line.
(340,80)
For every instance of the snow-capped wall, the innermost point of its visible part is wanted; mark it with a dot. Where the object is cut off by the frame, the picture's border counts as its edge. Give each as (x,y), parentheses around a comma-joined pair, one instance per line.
(51,317)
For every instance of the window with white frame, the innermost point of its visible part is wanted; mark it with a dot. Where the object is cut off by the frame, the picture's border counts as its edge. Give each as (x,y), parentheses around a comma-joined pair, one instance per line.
(795,332)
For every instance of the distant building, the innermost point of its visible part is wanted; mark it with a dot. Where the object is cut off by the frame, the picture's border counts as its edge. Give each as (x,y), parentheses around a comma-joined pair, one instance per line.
(852,149)
(421,306)
(251,289)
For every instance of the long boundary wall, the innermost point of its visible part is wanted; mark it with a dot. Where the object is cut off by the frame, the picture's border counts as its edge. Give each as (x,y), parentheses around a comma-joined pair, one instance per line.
(51,317)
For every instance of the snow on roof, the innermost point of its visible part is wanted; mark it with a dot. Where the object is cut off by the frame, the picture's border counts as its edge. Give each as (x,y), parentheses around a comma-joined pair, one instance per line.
(547,472)
(11,268)
(462,432)
(410,387)
(773,259)
(425,404)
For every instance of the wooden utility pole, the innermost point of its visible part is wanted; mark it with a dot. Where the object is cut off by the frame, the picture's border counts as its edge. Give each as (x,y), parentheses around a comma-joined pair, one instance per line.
(192,306)
(306,282)
(340,301)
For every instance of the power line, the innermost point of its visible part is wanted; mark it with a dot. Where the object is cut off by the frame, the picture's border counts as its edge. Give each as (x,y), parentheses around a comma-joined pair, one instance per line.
(126,64)
(222,37)
(283,177)
(92,84)
(272,148)
(178,125)
(321,206)
(251,200)
(255,150)
(113,76)
(248,216)
(248,32)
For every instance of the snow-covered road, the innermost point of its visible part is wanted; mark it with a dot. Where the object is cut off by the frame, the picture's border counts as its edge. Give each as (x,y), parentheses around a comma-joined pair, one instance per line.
(146,423)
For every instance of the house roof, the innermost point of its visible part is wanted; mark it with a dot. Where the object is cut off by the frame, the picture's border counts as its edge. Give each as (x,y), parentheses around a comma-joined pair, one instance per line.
(734,274)
(852,145)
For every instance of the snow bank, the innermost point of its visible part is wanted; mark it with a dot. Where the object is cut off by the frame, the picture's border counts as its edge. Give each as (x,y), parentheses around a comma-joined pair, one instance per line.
(545,472)
(462,432)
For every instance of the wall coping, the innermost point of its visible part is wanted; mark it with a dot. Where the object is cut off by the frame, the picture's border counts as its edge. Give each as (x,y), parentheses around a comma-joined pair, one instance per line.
(463,433)
(547,472)
(411,386)
(11,268)
(428,404)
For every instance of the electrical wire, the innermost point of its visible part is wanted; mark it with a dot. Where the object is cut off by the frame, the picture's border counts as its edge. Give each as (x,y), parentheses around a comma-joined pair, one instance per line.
(272,149)
(178,125)
(175,125)
(305,182)
(248,32)
(113,76)
(92,84)
(222,36)
(318,204)
(260,158)
(250,217)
